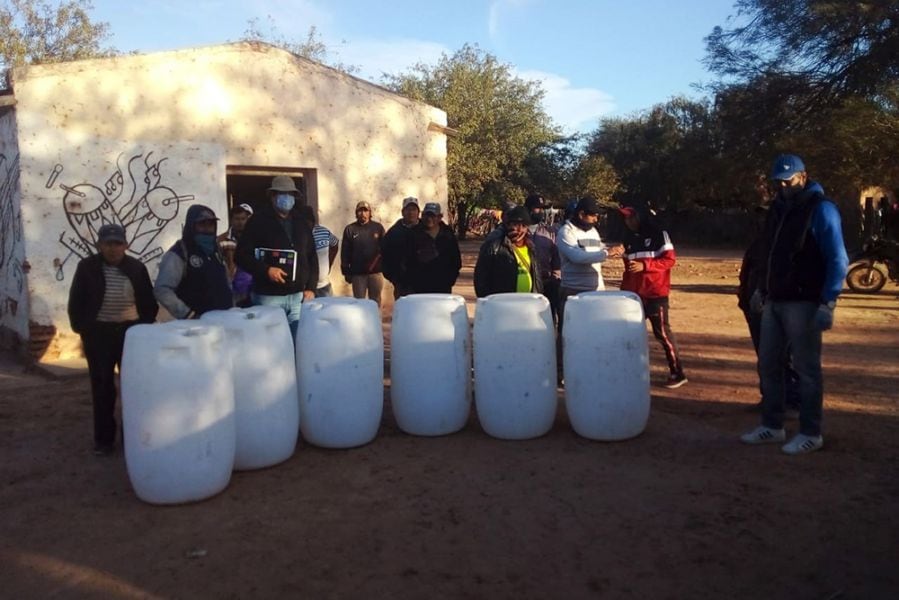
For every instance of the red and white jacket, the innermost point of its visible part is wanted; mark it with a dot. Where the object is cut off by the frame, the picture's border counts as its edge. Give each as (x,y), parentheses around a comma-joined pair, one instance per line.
(651,246)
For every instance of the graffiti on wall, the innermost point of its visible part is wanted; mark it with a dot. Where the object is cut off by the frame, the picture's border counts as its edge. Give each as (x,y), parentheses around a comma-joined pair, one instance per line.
(134,197)
(12,276)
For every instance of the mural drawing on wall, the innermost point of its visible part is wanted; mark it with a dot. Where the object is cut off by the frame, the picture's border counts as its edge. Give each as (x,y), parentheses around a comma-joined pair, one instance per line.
(140,204)
(12,284)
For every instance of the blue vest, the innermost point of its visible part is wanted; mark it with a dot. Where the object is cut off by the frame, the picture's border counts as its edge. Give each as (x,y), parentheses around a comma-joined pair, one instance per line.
(205,284)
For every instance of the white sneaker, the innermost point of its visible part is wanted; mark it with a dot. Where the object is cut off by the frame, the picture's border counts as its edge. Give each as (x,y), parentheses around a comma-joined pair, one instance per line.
(803,444)
(763,435)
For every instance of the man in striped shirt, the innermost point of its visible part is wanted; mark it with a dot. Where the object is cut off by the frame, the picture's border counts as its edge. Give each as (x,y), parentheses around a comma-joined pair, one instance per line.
(110,292)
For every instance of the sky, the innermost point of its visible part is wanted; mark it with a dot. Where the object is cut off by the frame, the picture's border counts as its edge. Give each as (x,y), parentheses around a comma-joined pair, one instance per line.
(594,58)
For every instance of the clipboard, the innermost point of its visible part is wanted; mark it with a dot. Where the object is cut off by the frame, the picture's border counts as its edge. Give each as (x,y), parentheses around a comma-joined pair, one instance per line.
(282,258)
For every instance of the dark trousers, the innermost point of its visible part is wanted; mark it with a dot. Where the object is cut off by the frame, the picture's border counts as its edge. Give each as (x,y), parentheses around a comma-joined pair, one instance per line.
(103,349)
(551,291)
(656,310)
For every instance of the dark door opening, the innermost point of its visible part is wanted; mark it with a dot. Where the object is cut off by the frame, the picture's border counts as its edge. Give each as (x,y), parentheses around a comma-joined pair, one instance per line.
(250,185)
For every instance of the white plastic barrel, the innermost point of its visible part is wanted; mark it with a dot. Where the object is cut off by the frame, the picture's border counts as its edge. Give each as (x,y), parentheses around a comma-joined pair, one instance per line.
(606,365)
(514,365)
(430,364)
(177,411)
(340,368)
(266,406)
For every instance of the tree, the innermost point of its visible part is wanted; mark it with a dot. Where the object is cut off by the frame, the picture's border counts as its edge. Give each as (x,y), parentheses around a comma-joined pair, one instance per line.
(38,31)
(312,47)
(499,119)
(818,52)
(595,177)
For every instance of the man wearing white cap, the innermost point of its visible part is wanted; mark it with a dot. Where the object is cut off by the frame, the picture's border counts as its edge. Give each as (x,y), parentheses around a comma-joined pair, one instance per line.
(393,247)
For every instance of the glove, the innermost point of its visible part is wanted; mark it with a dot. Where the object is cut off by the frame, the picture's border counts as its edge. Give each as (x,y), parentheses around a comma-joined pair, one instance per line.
(824,317)
(757,302)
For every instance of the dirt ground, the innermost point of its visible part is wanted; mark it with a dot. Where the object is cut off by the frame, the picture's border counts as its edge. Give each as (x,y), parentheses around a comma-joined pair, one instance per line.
(682,511)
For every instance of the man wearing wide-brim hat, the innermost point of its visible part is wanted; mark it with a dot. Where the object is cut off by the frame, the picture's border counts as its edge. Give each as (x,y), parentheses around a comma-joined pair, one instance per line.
(277,249)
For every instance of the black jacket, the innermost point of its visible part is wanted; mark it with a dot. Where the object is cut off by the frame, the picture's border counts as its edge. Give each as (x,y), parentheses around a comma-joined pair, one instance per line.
(497,268)
(432,263)
(393,253)
(89,287)
(265,230)
(360,250)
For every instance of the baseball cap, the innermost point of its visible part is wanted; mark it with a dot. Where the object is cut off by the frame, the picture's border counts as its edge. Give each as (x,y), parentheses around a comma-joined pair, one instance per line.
(517,214)
(589,206)
(246,208)
(627,211)
(363,204)
(111,233)
(205,215)
(410,200)
(432,207)
(534,201)
(283,183)
(785,166)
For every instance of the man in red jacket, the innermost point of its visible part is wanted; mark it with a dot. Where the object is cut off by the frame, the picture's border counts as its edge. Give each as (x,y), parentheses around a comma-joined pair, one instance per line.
(648,259)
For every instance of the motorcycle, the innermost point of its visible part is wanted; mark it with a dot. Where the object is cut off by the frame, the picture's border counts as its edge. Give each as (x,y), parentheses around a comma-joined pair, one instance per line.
(866,275)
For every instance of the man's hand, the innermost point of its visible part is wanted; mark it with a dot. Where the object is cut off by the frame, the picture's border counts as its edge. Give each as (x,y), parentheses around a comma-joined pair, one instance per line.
(277,275)
(308,295)
(635,266)
(757,302)
(615,251)
(824,317)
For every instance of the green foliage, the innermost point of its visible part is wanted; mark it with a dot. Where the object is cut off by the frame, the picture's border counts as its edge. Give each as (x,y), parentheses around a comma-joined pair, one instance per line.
(312,47)
(595,177)
(38,31)
(810,54)
(666,157)
(499,119)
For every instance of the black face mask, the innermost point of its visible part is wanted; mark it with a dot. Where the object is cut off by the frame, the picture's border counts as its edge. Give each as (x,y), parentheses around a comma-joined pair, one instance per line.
(537,216)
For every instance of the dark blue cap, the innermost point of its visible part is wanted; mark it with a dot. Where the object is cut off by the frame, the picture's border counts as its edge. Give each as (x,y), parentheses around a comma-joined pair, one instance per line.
(785,166)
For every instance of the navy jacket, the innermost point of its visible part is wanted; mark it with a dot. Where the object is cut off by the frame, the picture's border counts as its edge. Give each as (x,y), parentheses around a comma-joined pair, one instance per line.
(89,287)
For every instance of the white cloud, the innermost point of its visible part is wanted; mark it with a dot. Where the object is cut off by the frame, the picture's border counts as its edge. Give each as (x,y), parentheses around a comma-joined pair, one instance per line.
(573,108)
(375,57)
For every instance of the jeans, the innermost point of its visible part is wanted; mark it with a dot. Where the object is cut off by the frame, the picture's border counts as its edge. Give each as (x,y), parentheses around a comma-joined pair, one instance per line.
(291,303)
(754,322)
(787,332)
(370,284)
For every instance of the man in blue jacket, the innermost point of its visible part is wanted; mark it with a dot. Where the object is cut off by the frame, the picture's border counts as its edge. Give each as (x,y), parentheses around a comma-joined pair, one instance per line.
(799,283)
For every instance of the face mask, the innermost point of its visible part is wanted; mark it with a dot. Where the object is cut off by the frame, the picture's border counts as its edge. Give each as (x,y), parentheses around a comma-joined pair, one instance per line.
(537,217)
(284,202)
(205,242)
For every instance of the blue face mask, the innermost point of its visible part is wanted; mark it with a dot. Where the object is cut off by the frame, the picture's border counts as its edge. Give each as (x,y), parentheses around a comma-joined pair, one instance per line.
(206,243)
(284,202)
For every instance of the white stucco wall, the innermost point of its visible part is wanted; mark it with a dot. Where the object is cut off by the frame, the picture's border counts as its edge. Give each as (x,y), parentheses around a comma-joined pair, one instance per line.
(139,138)
(13,296)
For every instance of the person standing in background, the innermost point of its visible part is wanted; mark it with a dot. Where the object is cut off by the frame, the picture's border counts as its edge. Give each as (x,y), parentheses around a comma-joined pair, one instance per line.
(110,292)
(360,254)
(325,249)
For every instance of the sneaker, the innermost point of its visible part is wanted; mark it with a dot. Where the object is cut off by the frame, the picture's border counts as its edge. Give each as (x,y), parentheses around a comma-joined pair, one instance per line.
(104,450)
(803,444)
(675,381)
(763,435)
